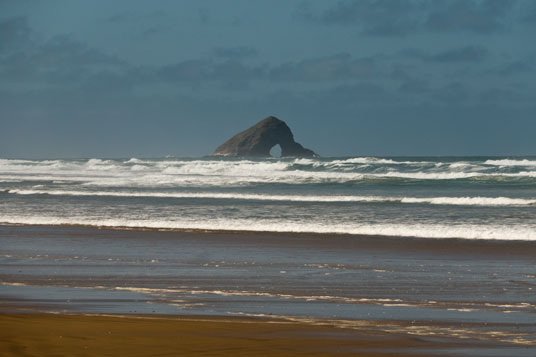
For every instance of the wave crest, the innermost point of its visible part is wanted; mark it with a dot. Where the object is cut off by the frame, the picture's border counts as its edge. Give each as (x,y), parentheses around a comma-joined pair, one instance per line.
(462,201)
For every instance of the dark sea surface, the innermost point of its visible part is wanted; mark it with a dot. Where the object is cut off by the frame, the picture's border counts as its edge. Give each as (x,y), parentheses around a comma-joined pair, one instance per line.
(436,247)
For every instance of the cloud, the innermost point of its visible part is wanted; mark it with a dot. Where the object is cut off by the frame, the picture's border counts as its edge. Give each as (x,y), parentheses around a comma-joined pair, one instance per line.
(462,54)
(63,61)
(402,17)
(119,17)
(337,67)
(152,31)
(529,12)
(454,92)
(191,70)
(500,95)
(482,17)
(414,86)
(14,34)
(130,16)
(59,60)
(364,92)
(204,16)
(379,17)
(234,74)
(238,52)
(511,68)
(63,50)
(459,54)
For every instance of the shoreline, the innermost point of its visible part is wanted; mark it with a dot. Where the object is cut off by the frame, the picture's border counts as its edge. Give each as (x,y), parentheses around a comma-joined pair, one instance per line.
(261,293)
(86,334)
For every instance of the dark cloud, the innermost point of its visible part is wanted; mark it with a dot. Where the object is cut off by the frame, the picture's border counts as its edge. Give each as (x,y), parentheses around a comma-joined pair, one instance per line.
(511,68)
(482,17)
(129,16)
(191,70)
(238,52)
(234,73)
(454,92)
(376,17)
(57,61)
(364,92)
(401,71)
(414,86)
(14,34)
(204,16)
(399,18)
(119,17)
(63,51)
(529,12)
(500,95)
(460,54)
(338,67)
(154,31)
(62,61)
(233,69)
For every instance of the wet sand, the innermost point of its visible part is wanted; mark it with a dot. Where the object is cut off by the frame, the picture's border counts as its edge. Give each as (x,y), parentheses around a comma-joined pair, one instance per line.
(83,335)
(149,292)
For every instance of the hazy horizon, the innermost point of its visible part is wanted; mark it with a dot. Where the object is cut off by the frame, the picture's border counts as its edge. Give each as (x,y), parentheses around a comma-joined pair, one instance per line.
(350,78)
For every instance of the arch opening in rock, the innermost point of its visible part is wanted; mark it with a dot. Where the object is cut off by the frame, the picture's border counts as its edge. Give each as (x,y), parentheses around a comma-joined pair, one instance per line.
(275,151)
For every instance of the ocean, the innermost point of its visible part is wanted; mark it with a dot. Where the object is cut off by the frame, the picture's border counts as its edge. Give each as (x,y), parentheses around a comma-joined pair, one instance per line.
(426,197)
(440,248)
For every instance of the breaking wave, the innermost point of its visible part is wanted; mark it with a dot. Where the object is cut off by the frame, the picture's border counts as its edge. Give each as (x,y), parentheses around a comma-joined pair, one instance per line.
(464,201)
(209,172)
(469,197)
(466,231)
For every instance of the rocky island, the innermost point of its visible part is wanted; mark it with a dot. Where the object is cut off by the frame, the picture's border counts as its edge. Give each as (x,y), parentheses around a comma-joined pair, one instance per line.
(258,140)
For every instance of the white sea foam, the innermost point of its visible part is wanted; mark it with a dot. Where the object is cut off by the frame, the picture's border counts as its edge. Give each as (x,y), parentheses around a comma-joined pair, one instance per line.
(410,229)
(511,162)
(266,294)
(188,173)
(169,178)
(166,178)
(471,201)
(465,201)
(375,160)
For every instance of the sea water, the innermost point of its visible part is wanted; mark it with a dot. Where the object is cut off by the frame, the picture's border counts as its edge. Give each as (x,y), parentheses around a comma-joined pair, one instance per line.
(427,197)
(480,285)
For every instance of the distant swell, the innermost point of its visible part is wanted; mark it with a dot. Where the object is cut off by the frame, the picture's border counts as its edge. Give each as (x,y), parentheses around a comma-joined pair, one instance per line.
(463,201)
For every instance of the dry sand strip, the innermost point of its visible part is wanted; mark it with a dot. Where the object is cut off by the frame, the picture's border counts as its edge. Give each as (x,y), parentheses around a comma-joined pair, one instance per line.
(97,335)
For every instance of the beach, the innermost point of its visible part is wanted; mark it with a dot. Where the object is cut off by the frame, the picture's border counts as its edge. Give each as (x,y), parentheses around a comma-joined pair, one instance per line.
(82,335)
(138,336)
(268,178)
(262,293)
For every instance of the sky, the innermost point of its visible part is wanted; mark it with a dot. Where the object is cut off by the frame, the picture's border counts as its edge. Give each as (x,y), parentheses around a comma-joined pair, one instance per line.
(136,78)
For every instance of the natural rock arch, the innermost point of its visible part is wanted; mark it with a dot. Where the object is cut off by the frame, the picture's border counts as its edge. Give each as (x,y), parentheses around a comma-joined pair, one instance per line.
(261,138)
(275,151)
